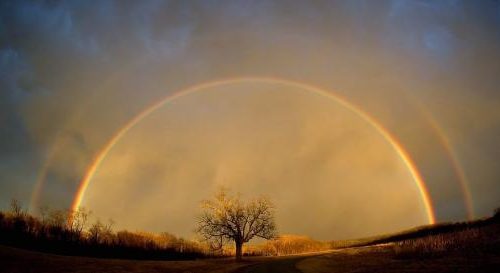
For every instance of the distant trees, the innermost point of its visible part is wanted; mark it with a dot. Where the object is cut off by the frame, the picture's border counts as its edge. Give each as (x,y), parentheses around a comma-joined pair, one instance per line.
(77,220)
(16,208)
(68,233)
(227,218)
(101,233)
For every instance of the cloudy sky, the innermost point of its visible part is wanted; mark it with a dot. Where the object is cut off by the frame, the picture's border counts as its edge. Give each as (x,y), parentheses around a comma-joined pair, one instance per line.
(72,73)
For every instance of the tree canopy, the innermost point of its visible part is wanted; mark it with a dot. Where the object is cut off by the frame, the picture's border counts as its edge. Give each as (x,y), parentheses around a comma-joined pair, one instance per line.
(228,218)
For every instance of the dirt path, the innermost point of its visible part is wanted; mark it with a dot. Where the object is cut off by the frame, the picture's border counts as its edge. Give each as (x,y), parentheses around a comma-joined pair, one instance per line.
(278,265)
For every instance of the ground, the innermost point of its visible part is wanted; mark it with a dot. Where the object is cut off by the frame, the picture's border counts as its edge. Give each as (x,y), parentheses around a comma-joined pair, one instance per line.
(366,259)
(381,259)
(13,260)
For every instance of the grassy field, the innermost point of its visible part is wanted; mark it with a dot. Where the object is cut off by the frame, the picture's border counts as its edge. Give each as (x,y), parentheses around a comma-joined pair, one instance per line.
(419,232)
(475,241)
(382,259)
(362,259)
(13,260)
(465,247)
(460,247)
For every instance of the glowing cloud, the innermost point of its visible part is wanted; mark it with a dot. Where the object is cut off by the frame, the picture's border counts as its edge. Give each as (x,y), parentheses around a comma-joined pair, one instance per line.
(392,140)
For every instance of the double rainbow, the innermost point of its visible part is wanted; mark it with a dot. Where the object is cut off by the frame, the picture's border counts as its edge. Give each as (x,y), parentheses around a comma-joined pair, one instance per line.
(392,140)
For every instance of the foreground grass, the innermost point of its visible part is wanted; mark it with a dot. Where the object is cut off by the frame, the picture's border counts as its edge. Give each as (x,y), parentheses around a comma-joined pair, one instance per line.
(482,240)
(464,247)
(418,232)
(382,259)
(362,259)
(13,260)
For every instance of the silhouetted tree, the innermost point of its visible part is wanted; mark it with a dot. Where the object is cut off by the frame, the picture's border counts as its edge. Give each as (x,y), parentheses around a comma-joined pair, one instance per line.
(64,232)
(100,233)
(496,214)
(58,218)
(77,220)
(228,218)
(43,212)
(16,208)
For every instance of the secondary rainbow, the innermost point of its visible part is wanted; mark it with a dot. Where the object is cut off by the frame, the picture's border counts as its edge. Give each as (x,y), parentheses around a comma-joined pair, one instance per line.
(455,163)
(40,179)
(392,140)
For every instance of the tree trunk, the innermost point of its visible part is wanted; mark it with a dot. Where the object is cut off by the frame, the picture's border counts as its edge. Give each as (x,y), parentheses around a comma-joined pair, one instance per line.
(239,246)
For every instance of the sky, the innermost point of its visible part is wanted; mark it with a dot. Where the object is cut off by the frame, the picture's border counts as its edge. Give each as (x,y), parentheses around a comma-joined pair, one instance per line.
(72,73)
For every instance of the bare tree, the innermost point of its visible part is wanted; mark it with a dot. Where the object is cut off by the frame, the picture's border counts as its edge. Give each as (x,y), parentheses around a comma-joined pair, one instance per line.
(16,208)
(228,218)
(58,218)
(77,220)
(44,212)
(95,232)
(100,233)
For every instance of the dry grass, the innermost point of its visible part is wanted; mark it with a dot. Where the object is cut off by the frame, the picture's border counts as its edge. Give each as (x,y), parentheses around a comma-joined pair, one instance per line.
(470,241)
(366,259)
(467,247)
(463,247)
(418,232)
(13,260)
(377,259)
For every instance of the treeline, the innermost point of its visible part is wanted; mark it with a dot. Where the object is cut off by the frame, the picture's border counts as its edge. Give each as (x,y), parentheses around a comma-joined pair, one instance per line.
(69,233)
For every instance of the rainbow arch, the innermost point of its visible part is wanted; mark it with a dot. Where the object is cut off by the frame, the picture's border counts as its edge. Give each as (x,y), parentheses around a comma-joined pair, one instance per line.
(40,178)
(392,140)
(451,155)
(55,148)
(455,163)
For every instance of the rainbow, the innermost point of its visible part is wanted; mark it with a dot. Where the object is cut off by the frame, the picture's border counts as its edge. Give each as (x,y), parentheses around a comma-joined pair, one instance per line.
(392,140)
(52,152)
(451,155)
(455,163)
(42,174)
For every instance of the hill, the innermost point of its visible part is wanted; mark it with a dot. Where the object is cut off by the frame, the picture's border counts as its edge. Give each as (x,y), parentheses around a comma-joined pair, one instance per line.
(419,232)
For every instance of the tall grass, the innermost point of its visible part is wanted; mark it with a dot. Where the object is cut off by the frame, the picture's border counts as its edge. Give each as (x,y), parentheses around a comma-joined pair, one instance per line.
(286,244)
(469,241)
(410,236)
